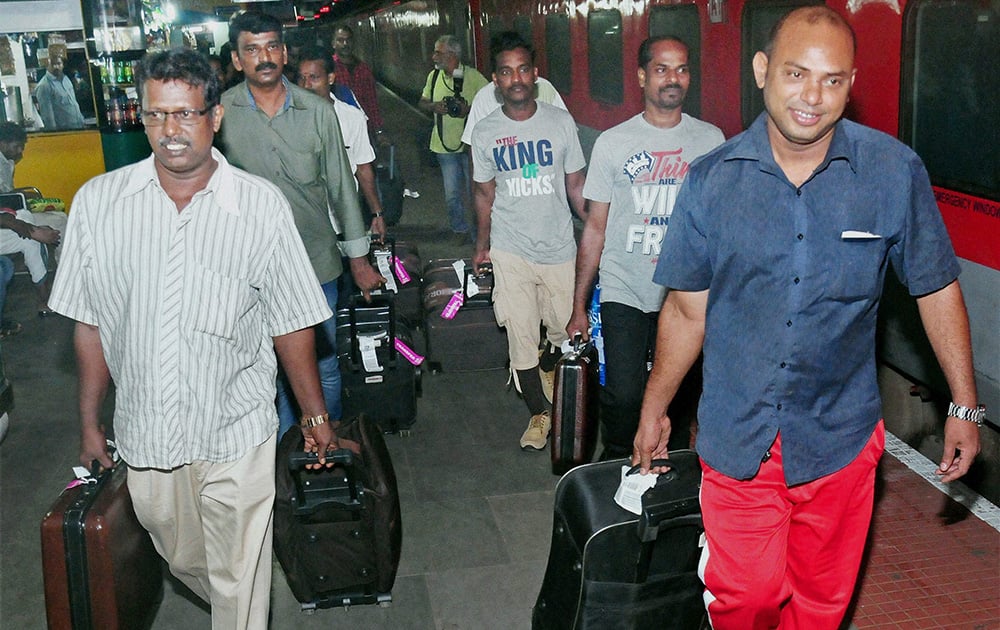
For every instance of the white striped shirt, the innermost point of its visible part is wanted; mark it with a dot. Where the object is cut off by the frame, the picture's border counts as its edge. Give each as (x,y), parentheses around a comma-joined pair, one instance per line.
(187,304)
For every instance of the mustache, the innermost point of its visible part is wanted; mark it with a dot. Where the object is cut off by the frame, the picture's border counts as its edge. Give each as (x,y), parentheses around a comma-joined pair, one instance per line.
(266,65)
(671,86)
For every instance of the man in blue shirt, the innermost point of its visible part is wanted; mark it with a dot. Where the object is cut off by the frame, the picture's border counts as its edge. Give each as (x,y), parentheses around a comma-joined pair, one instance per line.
(775,260)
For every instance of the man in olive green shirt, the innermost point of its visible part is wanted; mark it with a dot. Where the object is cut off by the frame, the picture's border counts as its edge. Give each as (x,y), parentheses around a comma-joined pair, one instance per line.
(291,137)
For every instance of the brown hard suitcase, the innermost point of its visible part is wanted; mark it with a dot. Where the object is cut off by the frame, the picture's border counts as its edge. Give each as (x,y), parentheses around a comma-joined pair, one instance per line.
(471,340)
(575,407)
(99,566)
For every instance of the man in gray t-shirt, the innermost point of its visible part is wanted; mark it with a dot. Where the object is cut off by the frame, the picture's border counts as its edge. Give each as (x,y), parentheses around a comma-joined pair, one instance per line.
(637,169)
(526,161)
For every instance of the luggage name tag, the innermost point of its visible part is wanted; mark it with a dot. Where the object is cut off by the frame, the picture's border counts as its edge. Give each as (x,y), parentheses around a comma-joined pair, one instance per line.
(369,359)
(459,267)
(631,489)
(382,262)
(401,273)
(408,352)
(88,477)
(451,308)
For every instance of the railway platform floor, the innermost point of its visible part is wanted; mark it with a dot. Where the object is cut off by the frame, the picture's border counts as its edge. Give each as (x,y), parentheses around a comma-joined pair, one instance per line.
(476,510)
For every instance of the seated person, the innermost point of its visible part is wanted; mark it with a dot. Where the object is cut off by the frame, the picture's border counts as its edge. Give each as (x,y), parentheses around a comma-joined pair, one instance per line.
(13,139)
(7,327)
(19,235)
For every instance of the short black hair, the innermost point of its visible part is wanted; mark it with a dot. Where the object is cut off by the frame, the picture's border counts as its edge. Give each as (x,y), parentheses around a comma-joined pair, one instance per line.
(343,27)
(180,64)
(317,53)
(11,132)
(509,40)
(646,47)
(255,22)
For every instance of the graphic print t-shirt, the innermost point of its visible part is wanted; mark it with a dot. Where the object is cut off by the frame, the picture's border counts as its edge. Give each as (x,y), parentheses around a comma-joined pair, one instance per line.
(639,169)
(529,160)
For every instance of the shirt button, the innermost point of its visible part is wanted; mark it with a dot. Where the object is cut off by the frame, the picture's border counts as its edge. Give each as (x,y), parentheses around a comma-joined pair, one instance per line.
(779,406)
(798,192)
(783,364)
(800,237)
(796,280)
(788,323)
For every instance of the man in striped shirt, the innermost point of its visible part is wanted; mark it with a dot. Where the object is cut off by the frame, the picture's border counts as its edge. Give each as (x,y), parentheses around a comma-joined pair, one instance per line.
(185,275)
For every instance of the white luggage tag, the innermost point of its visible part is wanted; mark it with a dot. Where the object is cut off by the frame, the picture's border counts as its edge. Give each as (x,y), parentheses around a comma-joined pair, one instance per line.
(631,489)
(367,345)
(383,260)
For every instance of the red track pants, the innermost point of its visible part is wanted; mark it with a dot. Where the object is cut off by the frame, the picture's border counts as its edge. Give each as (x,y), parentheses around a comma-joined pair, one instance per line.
(786,557)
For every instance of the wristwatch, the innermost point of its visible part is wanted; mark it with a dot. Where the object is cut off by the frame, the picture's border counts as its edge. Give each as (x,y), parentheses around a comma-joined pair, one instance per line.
(969,414)
(314,421)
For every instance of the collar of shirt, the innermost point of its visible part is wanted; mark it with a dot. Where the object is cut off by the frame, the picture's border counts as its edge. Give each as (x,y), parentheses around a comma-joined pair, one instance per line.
(755,145)
(252,104)
(220,185)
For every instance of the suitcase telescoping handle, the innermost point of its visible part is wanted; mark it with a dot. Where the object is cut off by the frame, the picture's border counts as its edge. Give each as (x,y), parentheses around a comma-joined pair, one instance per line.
(298,460)
(311,497)
(484,271)
(352,308)
(680,513)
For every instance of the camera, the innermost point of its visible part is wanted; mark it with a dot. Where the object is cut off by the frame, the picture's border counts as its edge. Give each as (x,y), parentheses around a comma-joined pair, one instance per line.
(454,105)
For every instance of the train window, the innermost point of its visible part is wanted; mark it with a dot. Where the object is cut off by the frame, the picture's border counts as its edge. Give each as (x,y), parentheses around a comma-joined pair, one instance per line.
(604,41)
(522,25)
(758,19)
(948,92)
(557,52)
(682,21)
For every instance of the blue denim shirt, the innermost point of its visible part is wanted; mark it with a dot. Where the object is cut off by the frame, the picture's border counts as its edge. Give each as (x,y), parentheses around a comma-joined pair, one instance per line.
(794,277)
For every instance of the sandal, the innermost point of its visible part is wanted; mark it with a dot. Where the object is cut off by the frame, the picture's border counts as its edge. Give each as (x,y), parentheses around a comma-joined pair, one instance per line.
(9,329)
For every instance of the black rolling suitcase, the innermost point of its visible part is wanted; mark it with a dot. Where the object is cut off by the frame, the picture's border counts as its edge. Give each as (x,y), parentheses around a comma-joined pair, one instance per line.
(337,531)
(575,407)
(610,569)
(401,261)
(390,187)
(461,332)
(379,369)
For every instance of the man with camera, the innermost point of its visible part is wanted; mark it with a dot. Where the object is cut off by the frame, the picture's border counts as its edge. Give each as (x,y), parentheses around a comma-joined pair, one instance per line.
(449,89)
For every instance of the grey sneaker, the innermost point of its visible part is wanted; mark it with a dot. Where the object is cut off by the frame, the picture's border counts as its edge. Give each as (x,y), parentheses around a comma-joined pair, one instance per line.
(536,436)
(548,383)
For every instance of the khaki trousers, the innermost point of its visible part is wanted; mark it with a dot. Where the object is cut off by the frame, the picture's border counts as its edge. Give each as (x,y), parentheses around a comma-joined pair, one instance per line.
(212,523)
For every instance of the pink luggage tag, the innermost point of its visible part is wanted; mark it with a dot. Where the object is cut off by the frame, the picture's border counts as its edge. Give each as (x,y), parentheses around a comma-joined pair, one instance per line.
(455,303)
(400,270)
(408,352)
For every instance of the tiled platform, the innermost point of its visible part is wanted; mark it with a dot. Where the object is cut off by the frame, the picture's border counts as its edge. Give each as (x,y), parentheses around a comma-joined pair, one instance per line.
(932,563)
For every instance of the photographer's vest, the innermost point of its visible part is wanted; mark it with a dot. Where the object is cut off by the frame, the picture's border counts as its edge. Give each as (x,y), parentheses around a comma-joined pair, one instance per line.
(438,118)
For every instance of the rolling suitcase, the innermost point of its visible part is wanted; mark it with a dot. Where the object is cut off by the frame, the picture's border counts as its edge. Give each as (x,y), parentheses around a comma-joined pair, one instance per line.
(99,567)
(401,261)
(610,569)
(337,531)
(575,407)
(465,338)
(379,370)
(390,187)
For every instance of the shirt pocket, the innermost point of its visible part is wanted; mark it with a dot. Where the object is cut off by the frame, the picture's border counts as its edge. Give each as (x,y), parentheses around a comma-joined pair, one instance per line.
(217,303)
(856,271)
(302,167)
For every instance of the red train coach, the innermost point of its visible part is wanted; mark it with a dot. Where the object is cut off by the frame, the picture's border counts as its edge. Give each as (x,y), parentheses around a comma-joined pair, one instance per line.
(926,74)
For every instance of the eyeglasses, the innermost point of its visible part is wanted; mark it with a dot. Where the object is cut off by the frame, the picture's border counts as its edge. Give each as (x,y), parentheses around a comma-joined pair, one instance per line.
(187,117)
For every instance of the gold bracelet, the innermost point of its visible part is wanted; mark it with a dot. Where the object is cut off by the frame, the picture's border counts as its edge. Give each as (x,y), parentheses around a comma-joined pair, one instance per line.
(314,421)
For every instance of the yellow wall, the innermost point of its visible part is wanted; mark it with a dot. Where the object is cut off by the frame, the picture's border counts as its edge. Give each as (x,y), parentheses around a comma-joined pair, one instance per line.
(58,164)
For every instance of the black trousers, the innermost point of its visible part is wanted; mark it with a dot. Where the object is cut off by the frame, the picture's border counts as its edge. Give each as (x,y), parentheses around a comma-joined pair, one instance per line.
(629,344)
